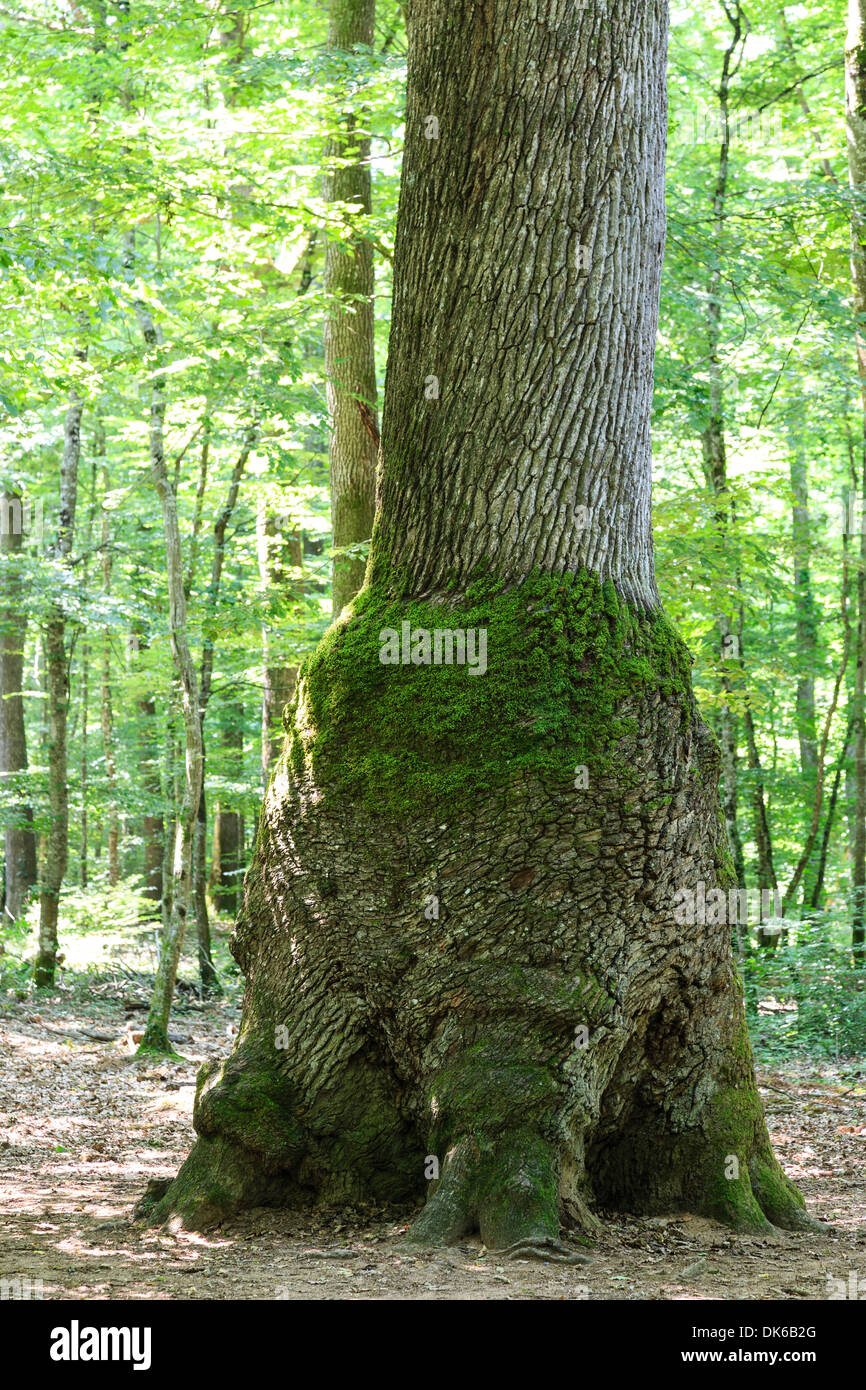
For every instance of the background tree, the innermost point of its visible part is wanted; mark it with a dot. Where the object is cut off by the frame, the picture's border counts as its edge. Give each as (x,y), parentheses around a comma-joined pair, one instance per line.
(350,365)
(19,853)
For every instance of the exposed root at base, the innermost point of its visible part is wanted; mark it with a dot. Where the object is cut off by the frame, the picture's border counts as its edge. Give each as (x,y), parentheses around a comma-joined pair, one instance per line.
(546,1249)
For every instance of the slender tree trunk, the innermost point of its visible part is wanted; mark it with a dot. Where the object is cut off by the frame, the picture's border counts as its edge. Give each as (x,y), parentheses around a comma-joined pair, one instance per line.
(858,865)
(209,977)
(715,472)
(19,840)
(156,1030)
(279,560)
(226,892)
(106,714)
(207,973)
(807,641)
(171,791)
(768,939)
(84,789)
(57,668)
(350,367)
(228,860)
(215,864)
(818,886)
(462,928)
(85,672)
(152,827)
(855,104)
(715,466)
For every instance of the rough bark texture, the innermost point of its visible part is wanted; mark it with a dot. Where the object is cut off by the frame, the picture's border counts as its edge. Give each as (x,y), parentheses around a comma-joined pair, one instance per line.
(350,367)
(19,849)
(459,930)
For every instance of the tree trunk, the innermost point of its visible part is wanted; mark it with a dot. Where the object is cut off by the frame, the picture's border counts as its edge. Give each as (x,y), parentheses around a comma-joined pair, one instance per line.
(855,104)
(807,641)
(19,839)
(152,823)
(230,866)
(858,863)
(85,671)
(461,931)
(350,367)
(208,974)
(83,789)
(277,556)
(171,765)
(228,858)
(57,668)
(715,465)
(105,709)
(156,1030)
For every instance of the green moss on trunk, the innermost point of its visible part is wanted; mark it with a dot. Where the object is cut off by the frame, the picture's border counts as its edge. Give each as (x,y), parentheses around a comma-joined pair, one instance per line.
(563,653)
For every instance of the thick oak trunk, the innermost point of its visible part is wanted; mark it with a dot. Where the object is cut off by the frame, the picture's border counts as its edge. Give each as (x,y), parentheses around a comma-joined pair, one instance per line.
(462,929)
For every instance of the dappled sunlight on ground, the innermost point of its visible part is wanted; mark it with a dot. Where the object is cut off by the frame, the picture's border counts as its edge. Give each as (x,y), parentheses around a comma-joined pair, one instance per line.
(84,1124)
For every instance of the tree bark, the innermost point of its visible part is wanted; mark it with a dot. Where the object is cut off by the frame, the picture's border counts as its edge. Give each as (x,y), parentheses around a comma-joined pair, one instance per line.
(350,366)
(57,670)
(460,928)
(19,849)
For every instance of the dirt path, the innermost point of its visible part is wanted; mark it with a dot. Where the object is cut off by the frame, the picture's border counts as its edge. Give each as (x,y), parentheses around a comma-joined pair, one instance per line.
(84,1125)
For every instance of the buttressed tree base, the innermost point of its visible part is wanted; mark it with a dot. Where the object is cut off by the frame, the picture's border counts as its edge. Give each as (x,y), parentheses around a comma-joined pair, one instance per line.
(459,933)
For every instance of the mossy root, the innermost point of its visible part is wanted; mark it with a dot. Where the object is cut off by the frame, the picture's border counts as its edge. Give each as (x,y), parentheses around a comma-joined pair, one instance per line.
(505,1189)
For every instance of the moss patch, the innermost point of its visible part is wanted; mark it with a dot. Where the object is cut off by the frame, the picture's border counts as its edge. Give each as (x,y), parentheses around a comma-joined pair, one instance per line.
(563,653)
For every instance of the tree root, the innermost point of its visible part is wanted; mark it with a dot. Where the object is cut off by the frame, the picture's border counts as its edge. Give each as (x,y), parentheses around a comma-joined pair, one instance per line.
(546,1249)
(507,1190)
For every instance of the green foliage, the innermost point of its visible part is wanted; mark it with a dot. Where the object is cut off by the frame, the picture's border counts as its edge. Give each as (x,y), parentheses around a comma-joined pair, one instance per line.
(808,996)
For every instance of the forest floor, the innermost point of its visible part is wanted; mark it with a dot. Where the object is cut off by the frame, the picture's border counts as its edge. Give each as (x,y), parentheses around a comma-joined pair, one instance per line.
(84,1124)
